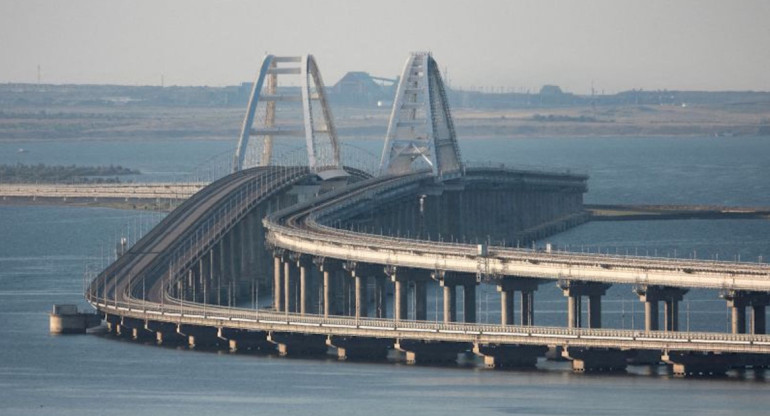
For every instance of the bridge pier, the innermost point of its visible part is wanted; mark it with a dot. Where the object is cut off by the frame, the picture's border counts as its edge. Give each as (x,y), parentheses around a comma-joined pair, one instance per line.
(328,269)
(450,303)
(303,264)
(425,352)
(243,340)
(365,349)
(450,281)
(290,283)
(278,283)
(361,296)
(507,289)
(737,301)
(595,359)
(199,336)
(651,295)
(575,291)
(165,332)
(135,328)
(400,281)
(359,274)
(695,363)
(509,356)
(298,344)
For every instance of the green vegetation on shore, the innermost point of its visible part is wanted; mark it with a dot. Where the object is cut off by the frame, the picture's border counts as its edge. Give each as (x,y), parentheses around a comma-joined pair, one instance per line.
(41,173)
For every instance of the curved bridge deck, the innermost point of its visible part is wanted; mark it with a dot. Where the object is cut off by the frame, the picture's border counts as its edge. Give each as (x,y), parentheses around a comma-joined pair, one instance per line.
(151,282)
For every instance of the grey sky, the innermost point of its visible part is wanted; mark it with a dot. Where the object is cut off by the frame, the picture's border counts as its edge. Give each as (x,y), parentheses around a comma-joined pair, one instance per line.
(619,45)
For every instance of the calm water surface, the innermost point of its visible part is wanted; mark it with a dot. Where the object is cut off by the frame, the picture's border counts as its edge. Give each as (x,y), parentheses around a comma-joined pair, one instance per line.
(44,252)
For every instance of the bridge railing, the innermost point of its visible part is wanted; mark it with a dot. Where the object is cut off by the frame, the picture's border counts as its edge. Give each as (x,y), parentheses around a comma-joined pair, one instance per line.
(180,311)
(321,224)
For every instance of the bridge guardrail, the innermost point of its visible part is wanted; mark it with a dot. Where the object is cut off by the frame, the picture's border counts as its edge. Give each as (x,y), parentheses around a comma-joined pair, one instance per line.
(220,316)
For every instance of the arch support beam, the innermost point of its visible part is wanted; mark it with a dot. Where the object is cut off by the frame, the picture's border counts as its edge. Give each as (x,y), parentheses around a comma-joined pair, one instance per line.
(262,123)
(421,131)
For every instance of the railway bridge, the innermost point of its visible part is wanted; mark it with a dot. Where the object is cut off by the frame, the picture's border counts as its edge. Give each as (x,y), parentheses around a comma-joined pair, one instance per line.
(346,257)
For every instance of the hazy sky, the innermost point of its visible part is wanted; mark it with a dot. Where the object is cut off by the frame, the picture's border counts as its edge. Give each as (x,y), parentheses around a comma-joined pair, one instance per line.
(617,45)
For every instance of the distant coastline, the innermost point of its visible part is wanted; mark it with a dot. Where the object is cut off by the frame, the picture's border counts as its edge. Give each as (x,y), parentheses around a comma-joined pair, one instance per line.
(51,112)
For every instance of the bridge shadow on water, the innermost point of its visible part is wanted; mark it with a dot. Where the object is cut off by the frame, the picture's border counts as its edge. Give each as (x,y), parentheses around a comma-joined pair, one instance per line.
(466,361)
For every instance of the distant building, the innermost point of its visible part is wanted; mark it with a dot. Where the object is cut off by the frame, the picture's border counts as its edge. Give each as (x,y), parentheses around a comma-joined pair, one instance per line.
(360,88)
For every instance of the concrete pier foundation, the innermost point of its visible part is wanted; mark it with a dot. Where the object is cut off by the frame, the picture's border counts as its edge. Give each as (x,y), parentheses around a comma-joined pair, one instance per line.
(423,352)
(242,340)
(298,344)
(363,349)
(596,359)
(65,319)
(200,336)
(700,364)
(165,333)
(509,356)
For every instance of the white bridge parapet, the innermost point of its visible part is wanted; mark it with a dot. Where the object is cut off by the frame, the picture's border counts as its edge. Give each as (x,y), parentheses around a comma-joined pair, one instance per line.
(305,235)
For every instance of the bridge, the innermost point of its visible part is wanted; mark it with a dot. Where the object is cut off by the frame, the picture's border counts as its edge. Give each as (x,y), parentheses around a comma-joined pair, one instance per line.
(99,192)
(330,245)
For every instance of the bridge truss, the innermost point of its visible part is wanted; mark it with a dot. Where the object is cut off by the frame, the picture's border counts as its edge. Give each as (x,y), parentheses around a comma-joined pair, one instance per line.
(274,111)
(421,131)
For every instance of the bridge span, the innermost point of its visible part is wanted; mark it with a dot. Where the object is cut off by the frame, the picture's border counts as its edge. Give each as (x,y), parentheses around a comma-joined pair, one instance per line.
(180,283)
(331,245)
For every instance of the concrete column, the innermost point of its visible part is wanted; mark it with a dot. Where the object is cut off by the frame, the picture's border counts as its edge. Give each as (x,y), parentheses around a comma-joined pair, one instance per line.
(671,313)
(506,306)
(303,288)
(527,308)
(573,311)
(420,300)
(758,325)
(277,284)
(737,301)
(738,319)
(450,303)
(345,294)
(575,290)
(287,287)
(595,311)
(469,303)
(361,301)
(380,297)
(327,289)
(399,299)
(651,315)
